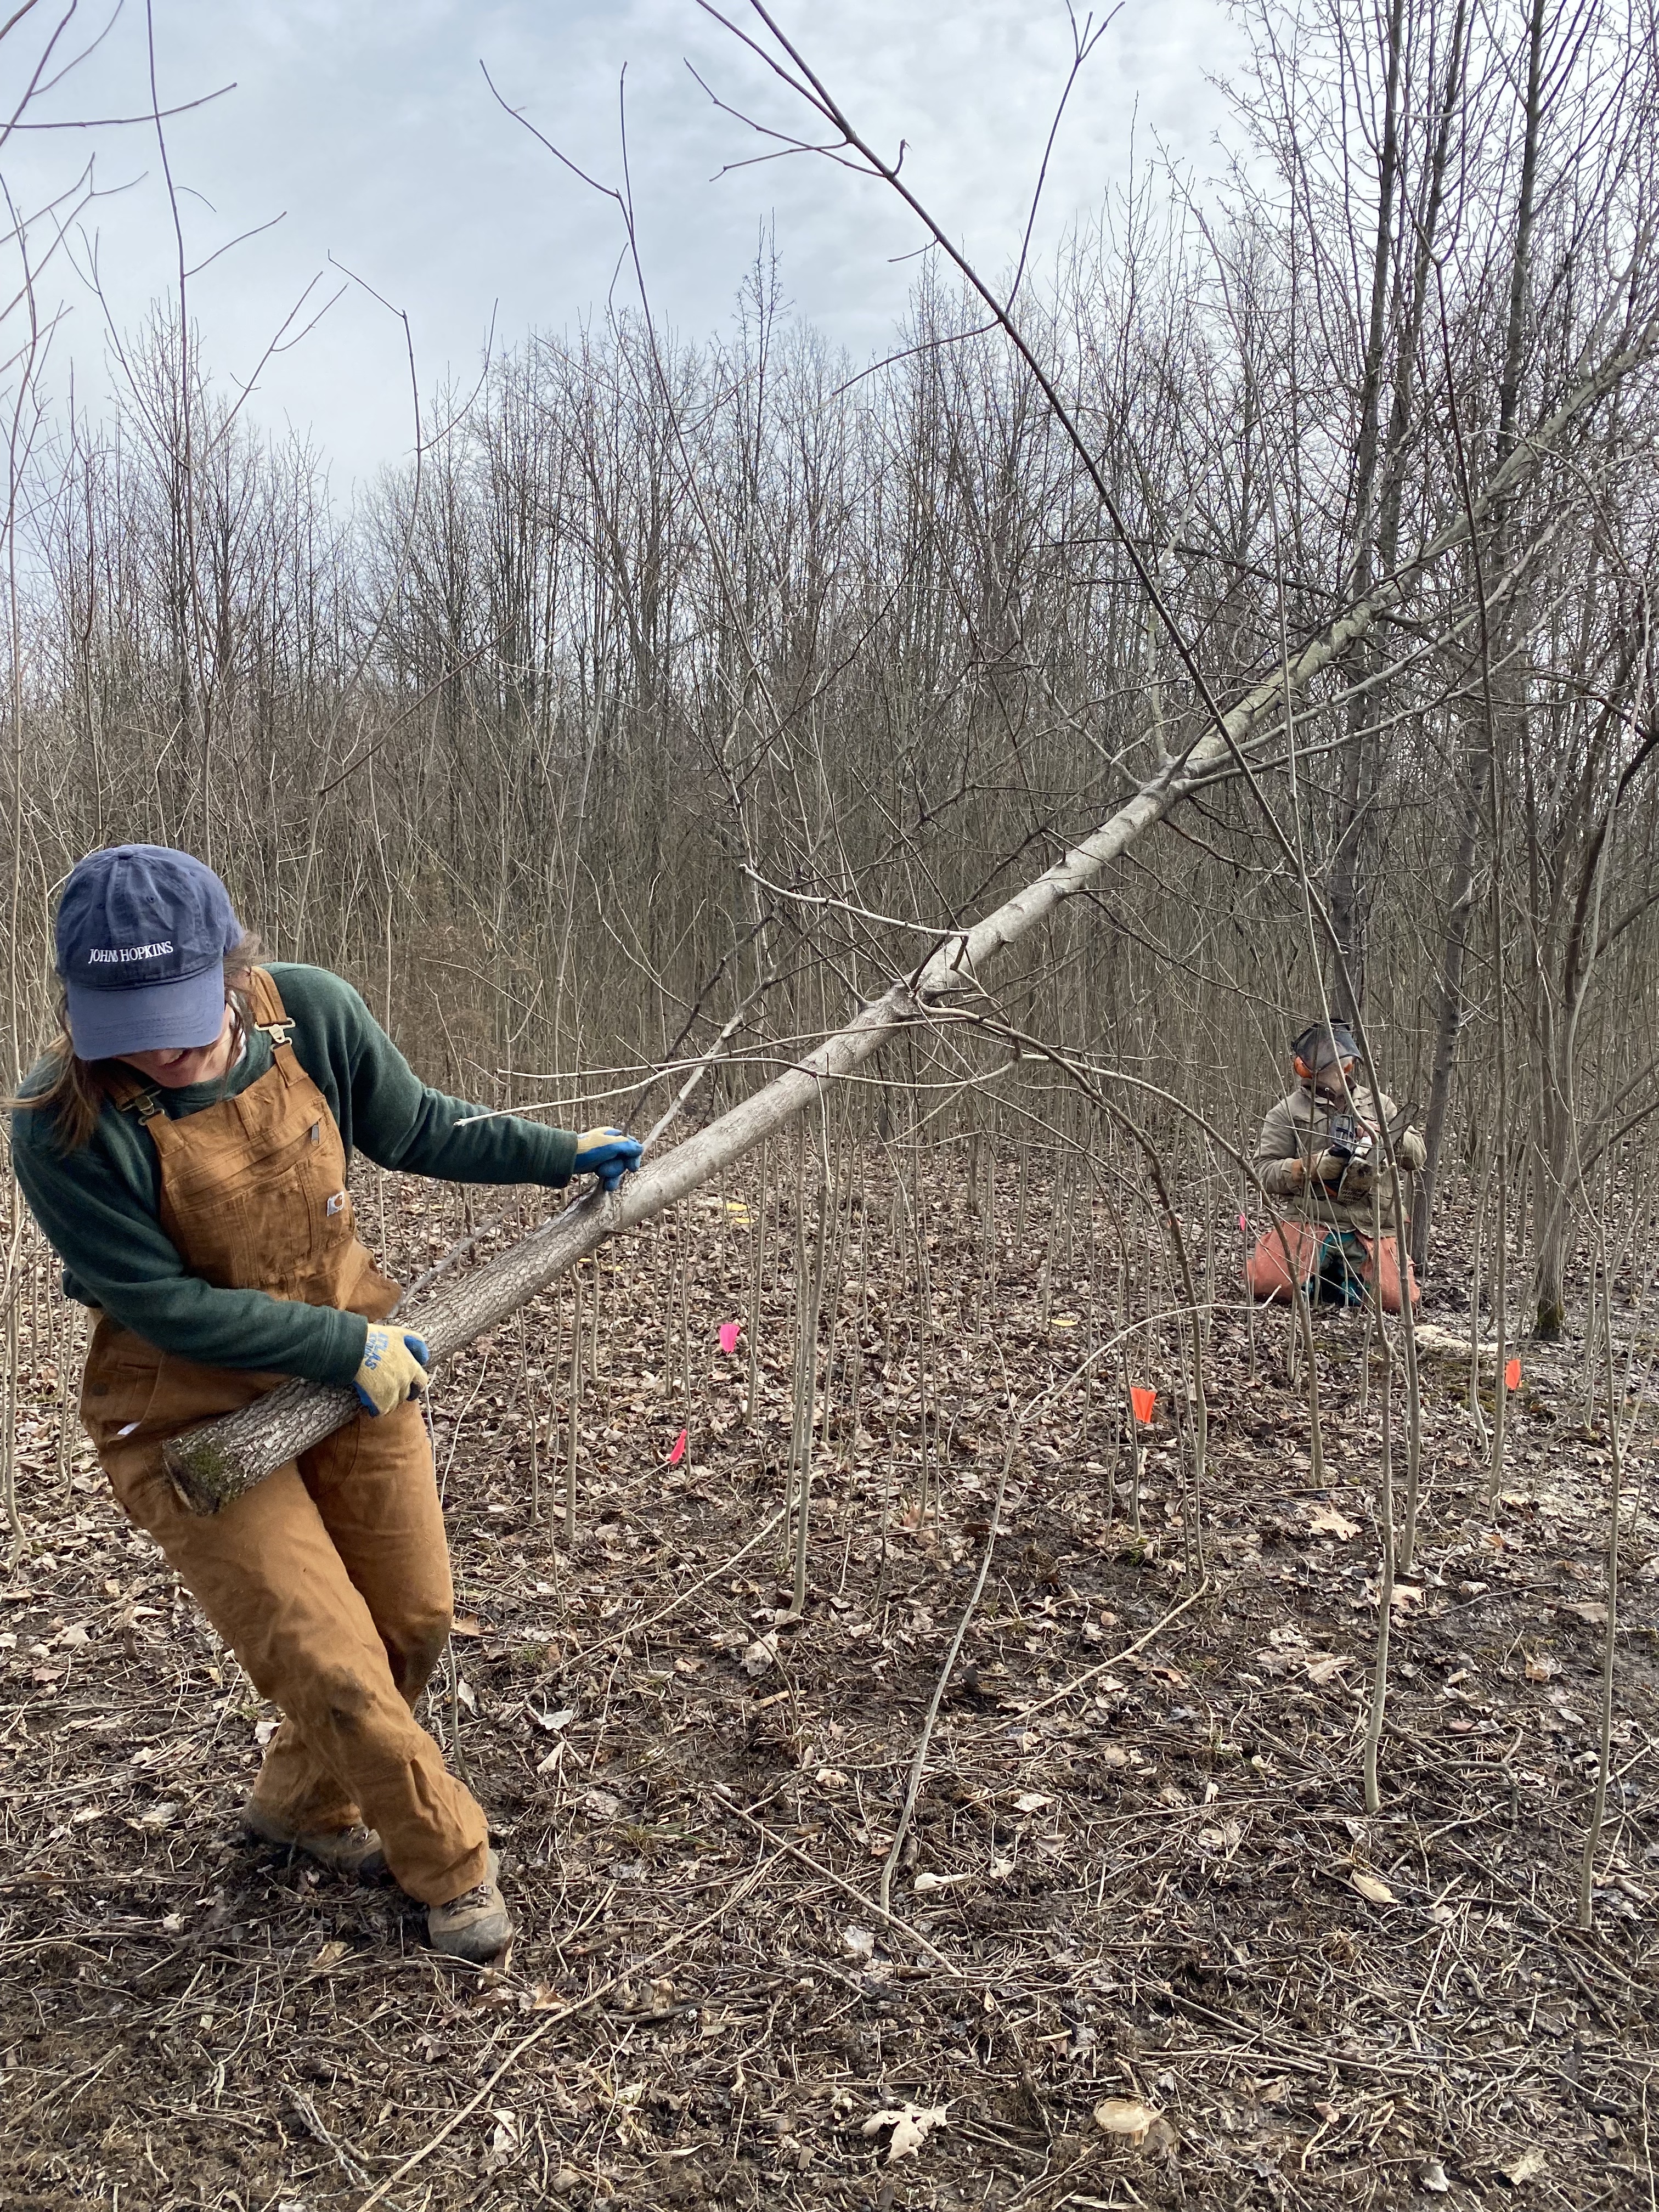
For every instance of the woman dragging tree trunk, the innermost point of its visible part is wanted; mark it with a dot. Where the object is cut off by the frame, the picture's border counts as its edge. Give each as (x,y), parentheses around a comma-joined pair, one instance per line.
(184,1146)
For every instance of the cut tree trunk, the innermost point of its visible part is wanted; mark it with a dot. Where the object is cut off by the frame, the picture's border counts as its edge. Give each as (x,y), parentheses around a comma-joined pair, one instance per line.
(214,1464)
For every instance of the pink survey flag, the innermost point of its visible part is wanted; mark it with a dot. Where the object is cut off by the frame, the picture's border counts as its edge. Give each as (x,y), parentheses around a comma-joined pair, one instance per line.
(730,1332)
(677,1453)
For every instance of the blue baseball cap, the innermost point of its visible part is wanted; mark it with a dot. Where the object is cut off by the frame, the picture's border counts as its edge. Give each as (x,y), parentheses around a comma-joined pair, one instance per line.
(142,933)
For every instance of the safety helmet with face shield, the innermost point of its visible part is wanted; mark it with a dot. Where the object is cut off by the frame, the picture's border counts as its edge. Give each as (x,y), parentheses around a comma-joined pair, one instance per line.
(1324,1057)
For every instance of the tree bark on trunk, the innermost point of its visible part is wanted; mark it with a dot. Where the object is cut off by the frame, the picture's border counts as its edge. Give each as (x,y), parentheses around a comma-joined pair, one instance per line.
(1450,1020)
(1355,834)
(1480,753)
(1554,1210)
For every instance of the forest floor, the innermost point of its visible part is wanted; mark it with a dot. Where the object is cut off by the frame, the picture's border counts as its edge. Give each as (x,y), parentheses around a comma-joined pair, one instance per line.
(1140,1879)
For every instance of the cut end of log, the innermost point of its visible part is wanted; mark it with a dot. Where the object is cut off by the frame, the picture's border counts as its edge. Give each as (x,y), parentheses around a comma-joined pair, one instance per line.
(203,1479)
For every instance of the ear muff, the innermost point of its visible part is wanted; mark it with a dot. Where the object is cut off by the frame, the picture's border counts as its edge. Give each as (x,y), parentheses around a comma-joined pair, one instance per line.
(1303,1071)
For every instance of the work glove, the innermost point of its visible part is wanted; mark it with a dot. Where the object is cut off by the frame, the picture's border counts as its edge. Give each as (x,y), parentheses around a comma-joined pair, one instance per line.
(1330,1167)
(1410,1150)
(393,1367)
(608,1153)
(1359,1180)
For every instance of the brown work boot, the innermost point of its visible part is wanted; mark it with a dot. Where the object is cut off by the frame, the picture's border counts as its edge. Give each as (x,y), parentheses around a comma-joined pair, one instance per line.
(355,1850)
(476,1925)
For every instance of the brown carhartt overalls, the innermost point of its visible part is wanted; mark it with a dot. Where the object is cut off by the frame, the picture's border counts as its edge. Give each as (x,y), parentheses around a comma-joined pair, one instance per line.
(330,1579)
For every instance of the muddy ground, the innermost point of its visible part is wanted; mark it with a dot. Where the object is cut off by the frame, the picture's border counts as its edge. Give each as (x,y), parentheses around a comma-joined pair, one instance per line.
(1140,1876)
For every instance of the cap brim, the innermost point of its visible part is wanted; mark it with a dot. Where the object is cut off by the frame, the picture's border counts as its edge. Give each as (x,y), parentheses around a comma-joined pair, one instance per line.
(181,1015)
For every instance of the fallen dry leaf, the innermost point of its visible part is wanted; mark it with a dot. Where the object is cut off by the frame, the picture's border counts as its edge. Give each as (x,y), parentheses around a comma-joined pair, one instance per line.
(925,1884)
(1327,1522)
(1326,1669)
(1433,2177)
(760,1655)
(1523,2166)
(1127,2117)
(504,2143)
(1376,1891)
(911,2125)
(1226,1837)
(1032,1801)
(332,1953)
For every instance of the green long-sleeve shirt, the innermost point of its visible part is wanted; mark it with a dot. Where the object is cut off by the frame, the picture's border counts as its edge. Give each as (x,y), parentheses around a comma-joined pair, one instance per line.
(100,1207)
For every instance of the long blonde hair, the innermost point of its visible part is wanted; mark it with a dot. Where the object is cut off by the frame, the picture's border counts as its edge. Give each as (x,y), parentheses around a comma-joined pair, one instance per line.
(76,1089)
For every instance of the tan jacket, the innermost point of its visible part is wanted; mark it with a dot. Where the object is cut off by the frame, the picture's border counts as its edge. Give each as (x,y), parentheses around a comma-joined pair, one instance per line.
(1299,1127)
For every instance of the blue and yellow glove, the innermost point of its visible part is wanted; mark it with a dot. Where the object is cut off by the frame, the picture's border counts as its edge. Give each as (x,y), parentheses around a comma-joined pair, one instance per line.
(393,1367)
(608,1153)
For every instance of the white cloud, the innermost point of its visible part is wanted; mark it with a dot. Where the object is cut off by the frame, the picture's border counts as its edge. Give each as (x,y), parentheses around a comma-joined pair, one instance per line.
(370,128)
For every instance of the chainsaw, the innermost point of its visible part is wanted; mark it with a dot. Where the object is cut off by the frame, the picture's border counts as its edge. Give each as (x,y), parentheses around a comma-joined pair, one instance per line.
(1354,1141)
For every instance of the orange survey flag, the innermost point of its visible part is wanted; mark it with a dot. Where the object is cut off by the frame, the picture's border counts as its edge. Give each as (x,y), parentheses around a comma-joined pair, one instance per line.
(1142,1400)
(1512,1376)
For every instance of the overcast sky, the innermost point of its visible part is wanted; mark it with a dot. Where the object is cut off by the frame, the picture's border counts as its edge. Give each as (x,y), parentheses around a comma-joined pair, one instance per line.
(368,126)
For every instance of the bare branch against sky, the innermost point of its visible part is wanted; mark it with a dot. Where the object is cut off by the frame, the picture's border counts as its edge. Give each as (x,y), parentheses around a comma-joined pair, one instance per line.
(370,131)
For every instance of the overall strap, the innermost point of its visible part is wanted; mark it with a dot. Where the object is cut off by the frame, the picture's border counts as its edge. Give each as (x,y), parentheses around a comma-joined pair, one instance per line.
(129,1095)
(269,1014)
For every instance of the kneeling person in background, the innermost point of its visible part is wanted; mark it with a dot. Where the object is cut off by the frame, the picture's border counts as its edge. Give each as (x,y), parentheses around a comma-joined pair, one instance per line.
(1321,1150)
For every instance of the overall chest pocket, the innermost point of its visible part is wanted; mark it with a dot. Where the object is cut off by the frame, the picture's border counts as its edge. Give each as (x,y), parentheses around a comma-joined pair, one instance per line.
(269,1217)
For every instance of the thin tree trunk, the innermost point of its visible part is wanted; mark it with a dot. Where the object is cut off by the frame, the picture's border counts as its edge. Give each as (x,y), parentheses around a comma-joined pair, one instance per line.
(1479,755)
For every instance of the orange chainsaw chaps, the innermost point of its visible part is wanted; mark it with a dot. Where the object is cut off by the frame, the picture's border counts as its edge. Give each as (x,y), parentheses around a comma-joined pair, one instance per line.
(1382,1274)
(1287,1253)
